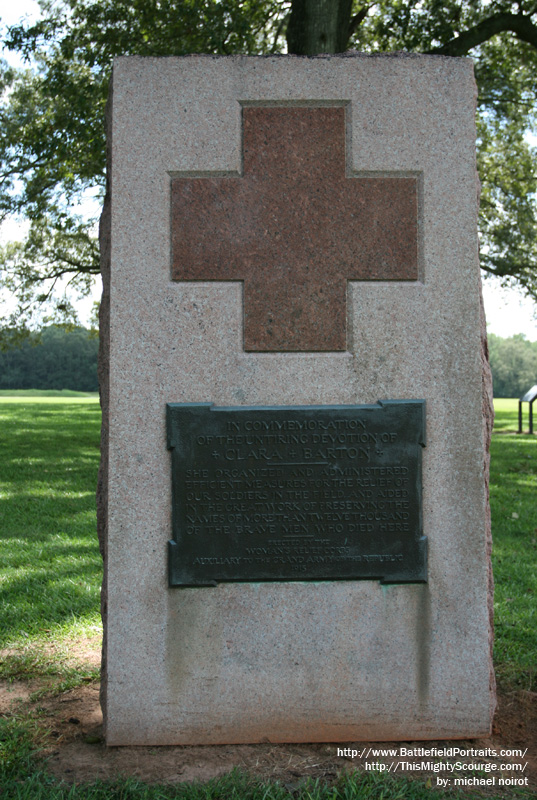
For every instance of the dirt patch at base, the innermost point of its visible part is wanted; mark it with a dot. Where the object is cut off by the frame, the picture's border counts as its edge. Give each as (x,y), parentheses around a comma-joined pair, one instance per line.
(76,752)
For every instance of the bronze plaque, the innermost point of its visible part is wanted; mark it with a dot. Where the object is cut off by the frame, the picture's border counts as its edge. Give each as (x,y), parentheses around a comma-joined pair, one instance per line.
(299,493)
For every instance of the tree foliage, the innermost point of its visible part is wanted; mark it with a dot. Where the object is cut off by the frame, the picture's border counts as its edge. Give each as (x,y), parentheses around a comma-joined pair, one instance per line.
(58,357)
(513,363)
(51,120)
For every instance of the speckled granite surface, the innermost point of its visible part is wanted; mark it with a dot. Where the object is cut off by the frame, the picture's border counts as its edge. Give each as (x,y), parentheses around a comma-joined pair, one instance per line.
(295,661)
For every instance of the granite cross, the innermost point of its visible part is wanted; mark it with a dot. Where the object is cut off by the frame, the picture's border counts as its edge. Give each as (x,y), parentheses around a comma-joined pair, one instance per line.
(295,226)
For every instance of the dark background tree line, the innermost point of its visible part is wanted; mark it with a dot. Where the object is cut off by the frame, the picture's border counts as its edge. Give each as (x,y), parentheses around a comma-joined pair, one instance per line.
(56,358)
(52,147)
(62,357)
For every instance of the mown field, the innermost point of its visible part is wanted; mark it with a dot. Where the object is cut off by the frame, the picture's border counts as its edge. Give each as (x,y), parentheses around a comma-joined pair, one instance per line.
(51,573)
(513,493)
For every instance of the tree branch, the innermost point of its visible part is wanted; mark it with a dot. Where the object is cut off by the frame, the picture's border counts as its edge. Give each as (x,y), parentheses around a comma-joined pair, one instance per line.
(71,265)
(279,30)
(502,269)
(519,24)
(357,20)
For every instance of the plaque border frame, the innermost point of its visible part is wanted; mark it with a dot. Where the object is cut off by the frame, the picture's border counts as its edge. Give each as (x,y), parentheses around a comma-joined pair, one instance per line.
(418,575)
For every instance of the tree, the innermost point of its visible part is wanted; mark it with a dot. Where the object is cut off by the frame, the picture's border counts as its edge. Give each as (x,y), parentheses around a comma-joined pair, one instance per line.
(58,358)
(513,363)
(51,123)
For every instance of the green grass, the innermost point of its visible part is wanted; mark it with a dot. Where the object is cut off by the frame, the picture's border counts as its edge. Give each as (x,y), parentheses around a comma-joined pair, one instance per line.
(56,669)
(49,453)
(37,395)
(513,485)
(506,415)
(22,781)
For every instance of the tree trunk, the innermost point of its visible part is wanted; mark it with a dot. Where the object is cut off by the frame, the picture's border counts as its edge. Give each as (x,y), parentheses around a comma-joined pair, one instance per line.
(319,26)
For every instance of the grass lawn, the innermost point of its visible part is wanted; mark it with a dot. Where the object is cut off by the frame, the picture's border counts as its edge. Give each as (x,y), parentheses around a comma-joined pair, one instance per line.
(51,567)
(49,454)
(52,570)
(506,415)
(53,395)
(513,491)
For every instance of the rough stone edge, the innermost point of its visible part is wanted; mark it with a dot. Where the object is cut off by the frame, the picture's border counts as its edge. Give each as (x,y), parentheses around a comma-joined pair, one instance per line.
(348,54)
(488,421)
(487,406)
(104,393)
(487,413)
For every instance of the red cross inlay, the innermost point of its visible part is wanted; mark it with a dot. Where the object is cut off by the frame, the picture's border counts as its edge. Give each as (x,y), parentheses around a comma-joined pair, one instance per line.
(294,227)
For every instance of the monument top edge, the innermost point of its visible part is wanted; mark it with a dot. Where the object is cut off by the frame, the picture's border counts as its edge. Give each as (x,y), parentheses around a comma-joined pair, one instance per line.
(348,55)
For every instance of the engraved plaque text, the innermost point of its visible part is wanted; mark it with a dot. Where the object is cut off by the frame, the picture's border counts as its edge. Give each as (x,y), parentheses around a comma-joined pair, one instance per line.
(296,493)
